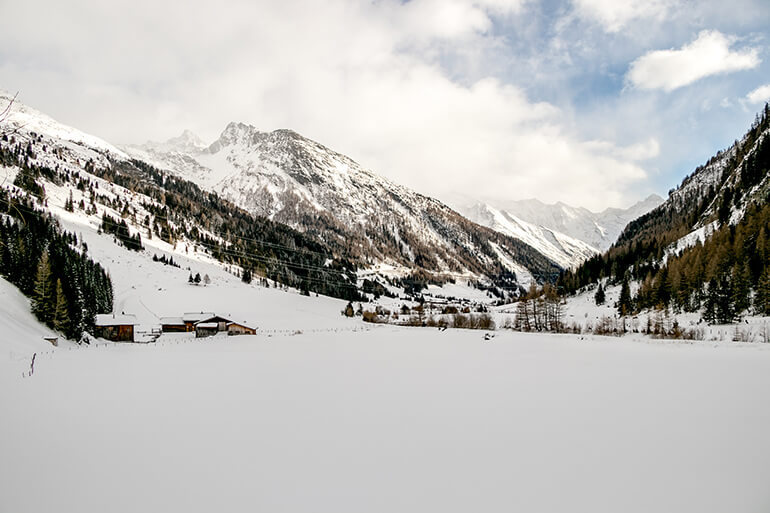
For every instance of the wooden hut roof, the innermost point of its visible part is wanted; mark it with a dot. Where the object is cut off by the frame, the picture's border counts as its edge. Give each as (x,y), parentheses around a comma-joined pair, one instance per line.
(196,316)
(115,320)
(172,321)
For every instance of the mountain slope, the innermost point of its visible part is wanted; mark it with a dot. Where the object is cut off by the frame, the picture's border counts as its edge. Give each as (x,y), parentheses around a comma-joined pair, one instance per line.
(291,179)
(599,229)
(707,247)
(562,249)
(322,215)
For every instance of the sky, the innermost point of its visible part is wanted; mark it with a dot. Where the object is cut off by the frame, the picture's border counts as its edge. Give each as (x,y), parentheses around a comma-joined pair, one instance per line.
(595,103)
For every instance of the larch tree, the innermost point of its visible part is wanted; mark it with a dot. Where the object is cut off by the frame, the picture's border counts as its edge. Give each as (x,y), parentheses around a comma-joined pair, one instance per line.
(44,295)
(61,316)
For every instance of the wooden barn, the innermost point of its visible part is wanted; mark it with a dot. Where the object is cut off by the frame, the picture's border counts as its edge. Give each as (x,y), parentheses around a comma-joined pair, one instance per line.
(211,326)
(190,318)
(115,327)
(173,325)
(238,328)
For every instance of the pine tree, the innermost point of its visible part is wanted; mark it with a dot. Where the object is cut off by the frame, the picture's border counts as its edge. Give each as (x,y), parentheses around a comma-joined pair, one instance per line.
(43,300)
(624,303)
(197,278)
(69,205)
(61,315)
(741,287)
(600,297)
(762,299)
(710,311)
(663,286)
(723,300)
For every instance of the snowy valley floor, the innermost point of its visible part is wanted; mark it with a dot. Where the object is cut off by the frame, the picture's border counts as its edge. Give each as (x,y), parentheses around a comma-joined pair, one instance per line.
(385,419)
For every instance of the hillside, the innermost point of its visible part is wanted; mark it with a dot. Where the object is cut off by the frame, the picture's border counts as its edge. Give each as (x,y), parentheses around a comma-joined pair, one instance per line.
(706,245)
(293,180)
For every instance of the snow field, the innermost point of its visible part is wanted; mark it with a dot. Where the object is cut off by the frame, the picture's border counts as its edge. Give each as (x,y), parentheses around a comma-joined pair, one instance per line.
(392,419)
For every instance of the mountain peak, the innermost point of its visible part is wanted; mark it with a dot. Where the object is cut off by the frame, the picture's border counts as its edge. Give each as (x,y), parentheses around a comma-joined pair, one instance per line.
(187,141)
(234,133)
(237,133)
(236,129)
(651,199)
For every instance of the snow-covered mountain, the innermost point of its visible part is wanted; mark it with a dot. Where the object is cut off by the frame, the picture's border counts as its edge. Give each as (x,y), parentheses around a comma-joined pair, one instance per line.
(187,142)
(599,229)
(567,235)
(564,250)
(357,215)
(294,180)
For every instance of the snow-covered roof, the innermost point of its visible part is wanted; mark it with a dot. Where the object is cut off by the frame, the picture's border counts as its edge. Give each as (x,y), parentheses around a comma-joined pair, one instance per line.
(242,324)
(176,321)
(115,320)
(196,316)
(213,318)
(207,325)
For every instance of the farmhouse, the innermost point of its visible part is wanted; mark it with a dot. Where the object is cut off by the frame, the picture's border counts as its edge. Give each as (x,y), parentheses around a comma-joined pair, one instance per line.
(114,327)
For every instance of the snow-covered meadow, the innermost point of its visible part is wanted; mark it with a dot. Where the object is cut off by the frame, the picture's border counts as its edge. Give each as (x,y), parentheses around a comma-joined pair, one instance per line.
(387,419)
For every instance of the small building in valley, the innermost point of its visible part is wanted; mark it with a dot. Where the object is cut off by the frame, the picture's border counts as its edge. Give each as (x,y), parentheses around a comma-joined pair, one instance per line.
(173,325)
(115,327)
(206,329)
(211,326)
(218,324)
(238,328)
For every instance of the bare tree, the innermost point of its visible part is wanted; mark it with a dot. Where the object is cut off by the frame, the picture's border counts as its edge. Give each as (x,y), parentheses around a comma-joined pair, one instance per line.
(5,114)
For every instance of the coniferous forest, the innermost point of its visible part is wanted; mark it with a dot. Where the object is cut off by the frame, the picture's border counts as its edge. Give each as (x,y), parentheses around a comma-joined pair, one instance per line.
(51,267)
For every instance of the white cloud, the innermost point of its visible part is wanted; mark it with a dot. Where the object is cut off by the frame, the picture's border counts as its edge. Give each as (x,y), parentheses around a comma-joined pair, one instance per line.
(645,150)
(502,6)
(346,75)
(427,20)
(443,19)
(613,15)
(759,95)
(708,55)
